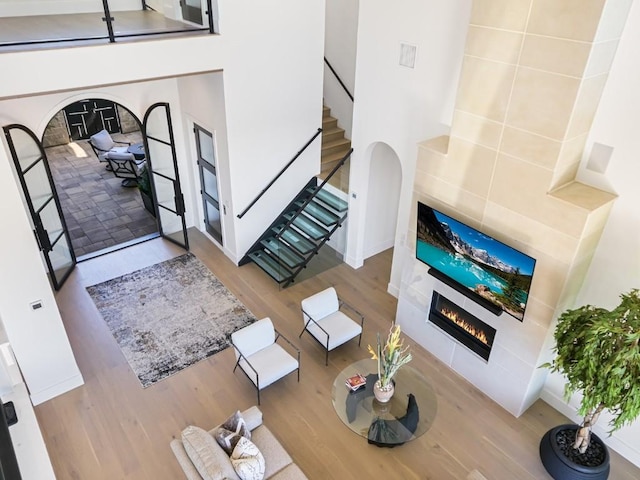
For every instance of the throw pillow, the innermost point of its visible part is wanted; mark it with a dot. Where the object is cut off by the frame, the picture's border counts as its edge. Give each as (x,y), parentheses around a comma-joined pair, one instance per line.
(226,439)
(236,424)
(247,460)
(210,461)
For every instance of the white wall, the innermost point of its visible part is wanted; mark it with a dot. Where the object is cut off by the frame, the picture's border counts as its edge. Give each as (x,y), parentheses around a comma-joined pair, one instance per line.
(340,50)
(398,105)
(273,98)
(38,338)
(616,265)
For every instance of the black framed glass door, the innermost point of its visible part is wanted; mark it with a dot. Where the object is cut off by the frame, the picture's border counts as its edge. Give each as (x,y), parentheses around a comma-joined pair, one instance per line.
(163,168)
(42,201)
(208,182)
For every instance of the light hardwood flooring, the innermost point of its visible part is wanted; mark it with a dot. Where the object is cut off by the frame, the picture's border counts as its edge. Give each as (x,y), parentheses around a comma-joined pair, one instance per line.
(112,428)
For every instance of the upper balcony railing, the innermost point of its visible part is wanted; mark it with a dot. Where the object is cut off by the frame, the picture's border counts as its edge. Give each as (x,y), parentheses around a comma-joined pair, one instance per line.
(93,22)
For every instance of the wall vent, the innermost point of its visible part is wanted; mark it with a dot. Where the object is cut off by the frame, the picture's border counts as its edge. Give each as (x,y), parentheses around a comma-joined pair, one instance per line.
(408,55)
(599,158)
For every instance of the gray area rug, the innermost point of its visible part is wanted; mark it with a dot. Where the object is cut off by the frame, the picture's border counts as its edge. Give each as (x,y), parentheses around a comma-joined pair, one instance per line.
(168,316)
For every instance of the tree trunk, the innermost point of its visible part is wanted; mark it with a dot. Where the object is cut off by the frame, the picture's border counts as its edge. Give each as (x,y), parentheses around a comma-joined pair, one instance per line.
(583,435)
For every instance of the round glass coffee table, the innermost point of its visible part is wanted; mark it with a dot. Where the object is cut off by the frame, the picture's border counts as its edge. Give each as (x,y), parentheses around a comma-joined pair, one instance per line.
(409,413)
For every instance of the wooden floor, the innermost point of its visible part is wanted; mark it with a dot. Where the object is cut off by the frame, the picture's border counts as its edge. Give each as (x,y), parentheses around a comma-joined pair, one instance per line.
(112,428)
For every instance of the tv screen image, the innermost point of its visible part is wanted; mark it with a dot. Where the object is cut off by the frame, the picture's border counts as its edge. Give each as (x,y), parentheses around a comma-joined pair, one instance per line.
(489,268)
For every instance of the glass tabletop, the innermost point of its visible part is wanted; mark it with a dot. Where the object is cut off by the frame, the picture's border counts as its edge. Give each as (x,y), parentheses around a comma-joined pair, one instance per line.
(409,414)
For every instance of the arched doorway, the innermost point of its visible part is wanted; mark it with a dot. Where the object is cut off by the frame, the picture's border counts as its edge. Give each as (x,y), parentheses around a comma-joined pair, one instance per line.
(103,211)
(383,199)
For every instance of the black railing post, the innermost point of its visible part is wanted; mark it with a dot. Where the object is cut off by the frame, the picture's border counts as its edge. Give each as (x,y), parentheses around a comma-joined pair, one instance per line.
(109,19)
(338,78)
(253,202)
(210,15)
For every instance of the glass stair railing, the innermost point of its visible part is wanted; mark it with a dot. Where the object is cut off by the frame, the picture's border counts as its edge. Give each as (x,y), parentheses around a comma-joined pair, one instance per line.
(296,236)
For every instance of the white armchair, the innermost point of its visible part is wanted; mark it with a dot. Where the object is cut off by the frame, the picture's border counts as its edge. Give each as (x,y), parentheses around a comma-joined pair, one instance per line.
(260,357)
(324,320)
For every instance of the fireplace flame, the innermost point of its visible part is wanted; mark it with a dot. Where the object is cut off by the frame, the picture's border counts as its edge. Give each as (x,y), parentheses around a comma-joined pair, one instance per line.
(466,326)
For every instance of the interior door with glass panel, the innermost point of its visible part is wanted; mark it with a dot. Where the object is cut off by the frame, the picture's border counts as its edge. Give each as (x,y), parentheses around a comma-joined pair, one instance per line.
(42,201)
(162,164)
(208,182)
(192,11)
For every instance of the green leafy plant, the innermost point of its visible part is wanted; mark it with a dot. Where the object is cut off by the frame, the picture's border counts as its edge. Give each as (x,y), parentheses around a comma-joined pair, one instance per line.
(390,356)
(143,180)
(598,351)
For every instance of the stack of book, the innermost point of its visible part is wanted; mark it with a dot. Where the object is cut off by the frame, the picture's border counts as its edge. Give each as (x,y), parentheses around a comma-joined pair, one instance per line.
(356,382)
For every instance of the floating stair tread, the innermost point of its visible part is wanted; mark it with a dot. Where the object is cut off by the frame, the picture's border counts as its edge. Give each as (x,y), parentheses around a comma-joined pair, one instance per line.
(320,213)
(298,241)
(330,199)
(267,263)
(308,227)
(283,252)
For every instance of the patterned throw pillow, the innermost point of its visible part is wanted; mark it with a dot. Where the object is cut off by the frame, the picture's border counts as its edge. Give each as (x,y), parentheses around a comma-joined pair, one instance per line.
(236,424)
(226,439)
(247,460)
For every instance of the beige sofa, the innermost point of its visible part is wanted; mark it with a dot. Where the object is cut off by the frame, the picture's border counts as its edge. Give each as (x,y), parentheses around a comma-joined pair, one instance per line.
(211,457)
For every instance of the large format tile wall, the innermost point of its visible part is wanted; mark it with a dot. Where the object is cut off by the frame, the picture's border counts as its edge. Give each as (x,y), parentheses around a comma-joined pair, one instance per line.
(533,73)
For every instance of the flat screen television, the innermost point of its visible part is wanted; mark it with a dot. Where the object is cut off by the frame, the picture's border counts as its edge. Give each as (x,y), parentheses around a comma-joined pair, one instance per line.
(483,268)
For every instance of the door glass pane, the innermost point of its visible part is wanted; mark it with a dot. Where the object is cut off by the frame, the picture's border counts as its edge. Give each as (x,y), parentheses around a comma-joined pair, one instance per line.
(210,183)
(26,149)
(60,257)
(51,221)
(38,185)
(157,126)
(206,147)
(213,220)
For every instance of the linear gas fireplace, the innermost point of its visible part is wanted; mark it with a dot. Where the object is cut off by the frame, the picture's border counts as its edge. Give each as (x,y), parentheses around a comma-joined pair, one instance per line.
(467,329)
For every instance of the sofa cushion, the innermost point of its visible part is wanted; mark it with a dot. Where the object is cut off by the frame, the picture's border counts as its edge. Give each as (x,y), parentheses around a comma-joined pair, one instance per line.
(247,460)
(209,459)
(276,456)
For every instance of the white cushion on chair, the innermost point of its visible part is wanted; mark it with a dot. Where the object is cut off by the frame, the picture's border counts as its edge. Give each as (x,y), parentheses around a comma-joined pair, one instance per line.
(272,363)
(102,140)
(339,326)
(254,337)
(321,304)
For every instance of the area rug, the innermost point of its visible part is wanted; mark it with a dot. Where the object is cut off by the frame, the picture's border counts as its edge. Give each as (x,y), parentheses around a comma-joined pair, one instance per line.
(169,316)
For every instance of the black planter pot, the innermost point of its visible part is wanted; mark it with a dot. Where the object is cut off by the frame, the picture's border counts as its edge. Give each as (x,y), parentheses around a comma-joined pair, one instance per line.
(562,468)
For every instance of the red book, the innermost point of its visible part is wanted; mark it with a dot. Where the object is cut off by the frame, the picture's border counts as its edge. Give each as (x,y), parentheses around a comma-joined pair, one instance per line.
(355,382)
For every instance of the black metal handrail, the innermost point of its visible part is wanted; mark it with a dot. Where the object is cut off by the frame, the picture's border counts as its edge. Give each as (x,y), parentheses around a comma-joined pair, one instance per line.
(338,78)
(110,34)
(263,191)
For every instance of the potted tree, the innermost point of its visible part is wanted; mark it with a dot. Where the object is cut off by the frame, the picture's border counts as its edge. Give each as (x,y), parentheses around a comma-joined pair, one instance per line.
(598,351)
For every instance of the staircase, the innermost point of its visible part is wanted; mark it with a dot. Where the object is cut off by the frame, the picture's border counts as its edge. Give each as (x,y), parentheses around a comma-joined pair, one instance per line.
(334,147)
(297,234)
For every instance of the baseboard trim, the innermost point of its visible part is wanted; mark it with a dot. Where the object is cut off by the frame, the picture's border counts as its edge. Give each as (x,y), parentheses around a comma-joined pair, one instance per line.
(57,389)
